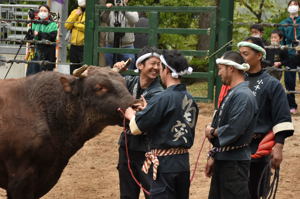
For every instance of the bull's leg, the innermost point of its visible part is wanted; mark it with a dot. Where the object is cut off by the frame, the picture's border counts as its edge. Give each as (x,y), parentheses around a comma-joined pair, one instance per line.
(21,185)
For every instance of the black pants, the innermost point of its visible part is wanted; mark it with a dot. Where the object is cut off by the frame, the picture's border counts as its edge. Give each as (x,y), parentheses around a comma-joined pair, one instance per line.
(76,56)
(230,180)
(171,186)
(128,187)
(256,173)
(290,81)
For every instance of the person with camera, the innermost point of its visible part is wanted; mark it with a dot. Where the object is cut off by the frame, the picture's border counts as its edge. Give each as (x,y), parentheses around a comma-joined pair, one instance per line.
(292,39)
(119,39)
(44,29)
(76,24)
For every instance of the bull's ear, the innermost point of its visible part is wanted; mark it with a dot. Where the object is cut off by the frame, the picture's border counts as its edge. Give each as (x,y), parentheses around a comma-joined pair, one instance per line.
(66,83)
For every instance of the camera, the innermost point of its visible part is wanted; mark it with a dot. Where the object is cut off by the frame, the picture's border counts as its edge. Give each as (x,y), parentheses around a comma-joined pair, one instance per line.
(295,43)
(119,2)
(33,14)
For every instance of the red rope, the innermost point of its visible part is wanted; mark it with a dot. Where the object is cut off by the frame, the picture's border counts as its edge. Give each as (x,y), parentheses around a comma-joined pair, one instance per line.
(197,161)
(128,158)
(127,155)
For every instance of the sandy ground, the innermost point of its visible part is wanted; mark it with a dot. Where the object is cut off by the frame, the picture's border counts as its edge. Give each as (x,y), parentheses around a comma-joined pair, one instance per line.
(92,174)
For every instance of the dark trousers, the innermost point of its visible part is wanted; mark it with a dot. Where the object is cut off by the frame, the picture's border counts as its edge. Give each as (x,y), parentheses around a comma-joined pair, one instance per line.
(230,180)
(257,177)
(76,56)
(128,187)
(171,186)
(290,82)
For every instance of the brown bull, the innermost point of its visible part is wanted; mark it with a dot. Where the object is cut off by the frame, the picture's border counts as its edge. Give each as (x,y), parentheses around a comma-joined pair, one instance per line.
(46,118)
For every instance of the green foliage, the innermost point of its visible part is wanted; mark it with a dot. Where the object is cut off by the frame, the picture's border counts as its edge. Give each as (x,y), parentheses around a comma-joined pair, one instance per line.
(272,11)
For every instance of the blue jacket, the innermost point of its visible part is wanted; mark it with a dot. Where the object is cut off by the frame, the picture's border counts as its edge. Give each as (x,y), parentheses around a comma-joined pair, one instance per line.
(288,32)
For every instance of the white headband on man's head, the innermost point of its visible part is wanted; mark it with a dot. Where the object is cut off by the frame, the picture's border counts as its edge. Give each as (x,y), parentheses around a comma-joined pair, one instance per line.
(253,46)
(146,56)
(227,62)
(175,74)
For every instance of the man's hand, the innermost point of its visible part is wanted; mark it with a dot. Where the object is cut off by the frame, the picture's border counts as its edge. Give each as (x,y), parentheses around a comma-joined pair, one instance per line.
(209,167)
(79,11)
(35,33)
(276,155)
(208,129)
(140,104)
(109,5)
(129,113)
(277,64)
(120,66)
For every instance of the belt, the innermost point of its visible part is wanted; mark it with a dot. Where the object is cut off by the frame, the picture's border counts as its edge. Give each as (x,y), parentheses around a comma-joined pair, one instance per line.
(151,158)
(214,150)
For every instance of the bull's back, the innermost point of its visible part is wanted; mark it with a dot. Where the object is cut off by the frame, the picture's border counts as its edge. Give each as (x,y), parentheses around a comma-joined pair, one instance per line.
(17,117)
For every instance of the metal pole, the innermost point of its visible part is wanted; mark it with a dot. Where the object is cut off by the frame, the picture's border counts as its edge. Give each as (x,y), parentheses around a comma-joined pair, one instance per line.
(63,32)
(225,19)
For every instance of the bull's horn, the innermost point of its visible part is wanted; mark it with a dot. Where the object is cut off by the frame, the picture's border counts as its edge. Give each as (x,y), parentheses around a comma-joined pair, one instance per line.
(80,72)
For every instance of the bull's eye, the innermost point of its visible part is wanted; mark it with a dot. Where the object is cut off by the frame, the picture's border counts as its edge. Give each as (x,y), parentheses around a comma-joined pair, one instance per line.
(99,89)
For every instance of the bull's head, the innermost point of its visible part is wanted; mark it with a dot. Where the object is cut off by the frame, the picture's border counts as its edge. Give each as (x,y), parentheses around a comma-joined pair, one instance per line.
(101,91)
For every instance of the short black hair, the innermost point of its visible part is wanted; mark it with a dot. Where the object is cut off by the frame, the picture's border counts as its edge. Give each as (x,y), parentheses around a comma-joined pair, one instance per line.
(234,56)
(148,49)
(176,60)
(279,32)
(258,27)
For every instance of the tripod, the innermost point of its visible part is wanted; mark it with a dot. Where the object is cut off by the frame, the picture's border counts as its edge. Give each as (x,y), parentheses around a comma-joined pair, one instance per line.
(28,36)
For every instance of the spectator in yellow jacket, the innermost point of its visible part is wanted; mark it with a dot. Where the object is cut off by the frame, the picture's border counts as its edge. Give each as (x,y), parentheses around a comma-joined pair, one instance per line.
(77,27)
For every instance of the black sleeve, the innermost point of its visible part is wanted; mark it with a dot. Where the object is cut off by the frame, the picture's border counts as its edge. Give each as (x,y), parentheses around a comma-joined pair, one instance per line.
(51,36)
(284,57)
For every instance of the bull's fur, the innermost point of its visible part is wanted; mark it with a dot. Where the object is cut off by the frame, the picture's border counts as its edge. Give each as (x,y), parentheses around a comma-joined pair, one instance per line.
(46,118)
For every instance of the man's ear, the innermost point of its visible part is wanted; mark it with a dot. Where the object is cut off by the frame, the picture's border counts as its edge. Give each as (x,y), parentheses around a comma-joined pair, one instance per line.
(67,84)
(140,66)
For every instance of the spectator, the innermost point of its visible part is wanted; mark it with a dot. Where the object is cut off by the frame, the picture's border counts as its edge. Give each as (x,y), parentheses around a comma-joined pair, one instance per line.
(141,39)
(257,30)
(119,39)
(276,57)
(77,27)
(291,38)
(46,29)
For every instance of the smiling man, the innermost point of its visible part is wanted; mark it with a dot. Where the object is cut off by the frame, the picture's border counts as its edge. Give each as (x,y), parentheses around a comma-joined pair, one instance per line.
(147,84)
(169,120)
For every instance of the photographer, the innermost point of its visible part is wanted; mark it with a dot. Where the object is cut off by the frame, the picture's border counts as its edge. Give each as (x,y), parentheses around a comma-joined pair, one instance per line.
(119,39)
(77,28)
(45,29)
(291,38)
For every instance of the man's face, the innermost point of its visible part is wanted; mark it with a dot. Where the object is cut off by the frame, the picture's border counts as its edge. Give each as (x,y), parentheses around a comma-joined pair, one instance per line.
(224,73)
(250,56)
(255,33)
(275,38)
(150,68)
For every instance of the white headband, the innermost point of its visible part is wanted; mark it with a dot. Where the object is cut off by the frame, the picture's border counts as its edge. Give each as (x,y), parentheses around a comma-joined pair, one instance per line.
(253,46)
(175,74)
(146,56)
(228,62)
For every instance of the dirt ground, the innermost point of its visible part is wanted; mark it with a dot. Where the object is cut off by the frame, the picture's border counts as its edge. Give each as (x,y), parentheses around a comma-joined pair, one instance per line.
(91,172)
